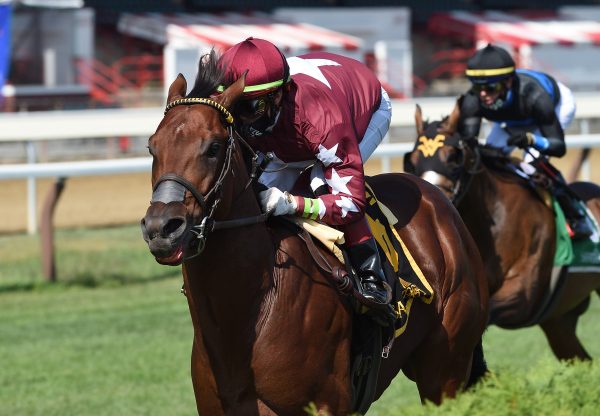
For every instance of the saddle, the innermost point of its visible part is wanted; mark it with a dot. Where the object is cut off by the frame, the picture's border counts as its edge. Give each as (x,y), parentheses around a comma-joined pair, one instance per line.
(402,272)
(370,342)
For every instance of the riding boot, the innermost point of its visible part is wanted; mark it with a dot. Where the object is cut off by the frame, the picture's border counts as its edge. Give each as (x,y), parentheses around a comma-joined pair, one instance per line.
(580,228)
(365,259)
(574,214)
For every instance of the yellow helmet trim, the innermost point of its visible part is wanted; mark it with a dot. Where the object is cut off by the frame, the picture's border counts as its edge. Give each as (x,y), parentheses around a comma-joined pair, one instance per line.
(489,72)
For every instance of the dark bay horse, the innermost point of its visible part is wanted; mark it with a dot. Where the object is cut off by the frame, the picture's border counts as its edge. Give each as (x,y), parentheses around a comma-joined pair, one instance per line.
(515,232)
(271,333)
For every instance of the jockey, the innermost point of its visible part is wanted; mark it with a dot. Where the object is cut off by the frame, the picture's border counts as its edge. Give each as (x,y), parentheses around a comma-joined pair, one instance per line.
(319,117)
(528,109)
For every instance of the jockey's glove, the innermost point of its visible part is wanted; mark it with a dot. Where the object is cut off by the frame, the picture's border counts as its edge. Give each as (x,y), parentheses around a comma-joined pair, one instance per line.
(276,202)
(521,140)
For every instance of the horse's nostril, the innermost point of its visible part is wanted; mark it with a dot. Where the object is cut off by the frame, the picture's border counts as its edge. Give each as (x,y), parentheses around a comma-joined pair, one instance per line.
(172,225)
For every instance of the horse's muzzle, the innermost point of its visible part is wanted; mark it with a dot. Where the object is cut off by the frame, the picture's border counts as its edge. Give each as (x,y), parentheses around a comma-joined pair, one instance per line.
(165,229)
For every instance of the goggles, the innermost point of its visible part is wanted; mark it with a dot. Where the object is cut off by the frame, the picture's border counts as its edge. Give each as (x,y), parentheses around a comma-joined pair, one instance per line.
(252,108)
(488,88)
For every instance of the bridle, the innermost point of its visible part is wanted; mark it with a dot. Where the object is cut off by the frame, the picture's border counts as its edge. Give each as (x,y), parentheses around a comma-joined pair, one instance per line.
(207,223)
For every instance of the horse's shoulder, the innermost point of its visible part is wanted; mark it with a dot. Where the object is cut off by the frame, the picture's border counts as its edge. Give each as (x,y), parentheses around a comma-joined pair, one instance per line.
(283,236)
(289,242)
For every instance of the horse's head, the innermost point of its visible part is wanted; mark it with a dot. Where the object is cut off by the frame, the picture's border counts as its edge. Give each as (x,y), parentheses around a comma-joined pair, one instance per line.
(440,155)
(192,151)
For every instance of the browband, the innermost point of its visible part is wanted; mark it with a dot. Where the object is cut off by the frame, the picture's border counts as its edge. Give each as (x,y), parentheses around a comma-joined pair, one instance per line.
(205,101)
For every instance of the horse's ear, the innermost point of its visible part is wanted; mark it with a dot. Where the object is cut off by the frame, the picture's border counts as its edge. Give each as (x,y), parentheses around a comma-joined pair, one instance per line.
(177,89)
(233,92)
(419,120)
(452,122)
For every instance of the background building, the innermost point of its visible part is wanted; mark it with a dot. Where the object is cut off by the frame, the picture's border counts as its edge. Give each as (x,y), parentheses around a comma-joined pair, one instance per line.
(121,53)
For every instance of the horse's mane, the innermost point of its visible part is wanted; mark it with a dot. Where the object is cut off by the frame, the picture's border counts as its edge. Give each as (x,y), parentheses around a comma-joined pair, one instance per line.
(210,76)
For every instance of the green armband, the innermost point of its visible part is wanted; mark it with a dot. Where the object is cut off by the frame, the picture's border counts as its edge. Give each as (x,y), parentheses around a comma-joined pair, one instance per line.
(311,208)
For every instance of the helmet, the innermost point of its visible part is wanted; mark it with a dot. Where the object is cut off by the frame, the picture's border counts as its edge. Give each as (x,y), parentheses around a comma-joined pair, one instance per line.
(266,65)
(489,65)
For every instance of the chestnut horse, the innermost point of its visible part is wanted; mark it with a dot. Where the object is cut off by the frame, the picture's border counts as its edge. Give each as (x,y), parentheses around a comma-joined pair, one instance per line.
(514,230)
(271,333)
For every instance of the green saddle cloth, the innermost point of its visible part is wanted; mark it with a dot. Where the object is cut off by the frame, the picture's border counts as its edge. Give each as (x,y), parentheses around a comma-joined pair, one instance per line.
(585,252)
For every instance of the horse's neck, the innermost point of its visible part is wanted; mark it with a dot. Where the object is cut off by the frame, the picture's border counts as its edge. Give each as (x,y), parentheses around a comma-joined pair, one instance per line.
(478,207)
(240,253)
(501,215)
(229,279)
(496,198)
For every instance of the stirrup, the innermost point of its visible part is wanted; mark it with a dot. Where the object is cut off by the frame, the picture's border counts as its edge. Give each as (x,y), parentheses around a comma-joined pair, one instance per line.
(381,296)
(383,313)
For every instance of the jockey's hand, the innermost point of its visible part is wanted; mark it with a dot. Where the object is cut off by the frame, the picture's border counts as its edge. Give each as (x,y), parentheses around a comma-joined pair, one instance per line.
(276,202)
(521,140)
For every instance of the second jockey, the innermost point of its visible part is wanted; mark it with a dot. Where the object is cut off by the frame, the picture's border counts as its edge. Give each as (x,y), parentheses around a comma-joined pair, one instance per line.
(528,109)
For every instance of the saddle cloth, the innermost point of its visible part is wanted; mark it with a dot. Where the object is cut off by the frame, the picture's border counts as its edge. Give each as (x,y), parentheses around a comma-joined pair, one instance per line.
(409,283)
(579,253)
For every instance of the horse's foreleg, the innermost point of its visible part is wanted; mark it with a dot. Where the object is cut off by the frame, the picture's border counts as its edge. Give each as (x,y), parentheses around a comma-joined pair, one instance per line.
(207,401)
(561,334)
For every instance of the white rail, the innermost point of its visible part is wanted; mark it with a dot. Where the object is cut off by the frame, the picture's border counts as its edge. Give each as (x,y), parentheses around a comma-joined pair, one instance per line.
(77,124)
(143,164)
(79,168)
(52,125)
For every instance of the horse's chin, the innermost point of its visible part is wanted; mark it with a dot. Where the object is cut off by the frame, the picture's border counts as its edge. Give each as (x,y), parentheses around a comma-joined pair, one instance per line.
(174,259)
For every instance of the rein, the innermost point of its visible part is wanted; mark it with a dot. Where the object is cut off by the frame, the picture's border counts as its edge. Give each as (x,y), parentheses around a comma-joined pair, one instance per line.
(208,224)
(466,176)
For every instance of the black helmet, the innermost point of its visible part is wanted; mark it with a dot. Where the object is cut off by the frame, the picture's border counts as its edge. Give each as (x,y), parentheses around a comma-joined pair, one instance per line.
(490,64)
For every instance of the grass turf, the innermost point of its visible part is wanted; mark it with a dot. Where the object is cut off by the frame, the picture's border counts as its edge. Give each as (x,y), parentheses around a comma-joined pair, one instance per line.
(113,337)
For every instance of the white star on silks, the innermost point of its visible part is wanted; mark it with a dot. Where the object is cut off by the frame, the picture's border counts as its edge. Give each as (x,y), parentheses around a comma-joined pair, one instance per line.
(310,67)
(338,183)
(327,156)
(346,205)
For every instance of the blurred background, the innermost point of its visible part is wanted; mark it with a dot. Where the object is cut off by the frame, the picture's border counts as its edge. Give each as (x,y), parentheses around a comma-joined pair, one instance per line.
(87,79)
(83,86)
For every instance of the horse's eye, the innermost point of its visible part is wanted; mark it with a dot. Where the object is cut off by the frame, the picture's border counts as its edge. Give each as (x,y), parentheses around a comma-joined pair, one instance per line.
(213,149)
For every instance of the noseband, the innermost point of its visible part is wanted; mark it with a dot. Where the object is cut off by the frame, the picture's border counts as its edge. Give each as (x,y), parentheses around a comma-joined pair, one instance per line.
(207,223)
